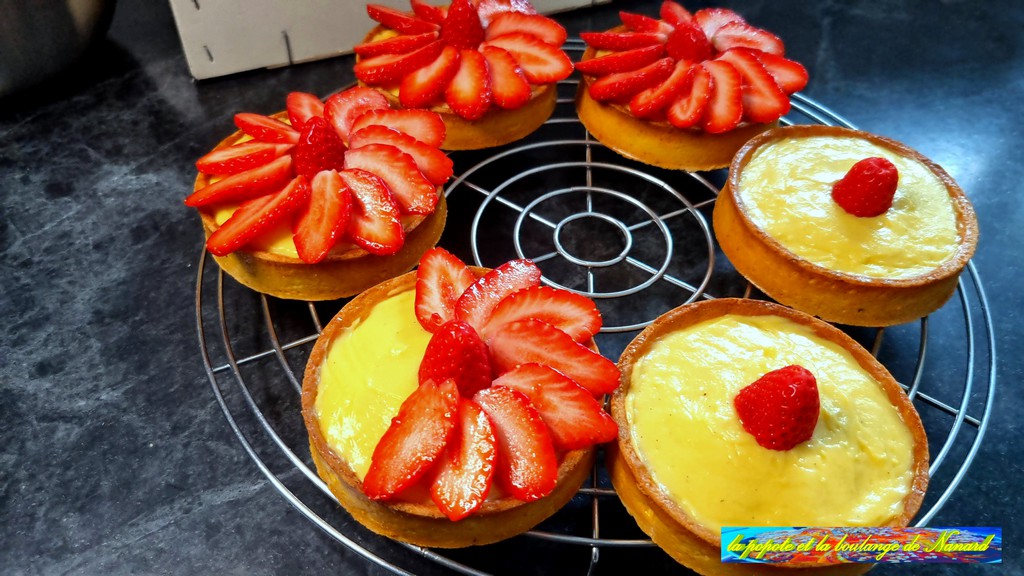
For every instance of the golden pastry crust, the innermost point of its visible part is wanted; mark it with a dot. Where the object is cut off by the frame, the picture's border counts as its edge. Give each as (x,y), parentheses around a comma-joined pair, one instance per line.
(828,294)
(422,523)
(681,536)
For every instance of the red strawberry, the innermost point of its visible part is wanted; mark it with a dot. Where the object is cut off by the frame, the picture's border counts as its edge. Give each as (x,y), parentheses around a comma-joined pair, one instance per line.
(466,467)
(641,23)
(868,189)
(469,93)
(433,163)
(624,85)
(527,466)
(410,188)
(489,9)
(763,100)
(440,279)
(618,41)
(245,185)
(571,313)
(689,107)
(542,63)
(674,14)
(425,86)
(456,352)
(790,75)
(342,109)
(423,125)
(542,27)
(742,35)
(652,101)
(627,61)
(266,129)
(257,216)
(322,224)
(535,341)
(397,20)
(508,84)
(301,107)
(429,12)
(725,106)
(780,409)
(395,45)
(240,157)
(574,418)
(375,224)
(711,19)
(391,68)
(319,148)
(478,301)
(688,42)
(462,27)
(414,441)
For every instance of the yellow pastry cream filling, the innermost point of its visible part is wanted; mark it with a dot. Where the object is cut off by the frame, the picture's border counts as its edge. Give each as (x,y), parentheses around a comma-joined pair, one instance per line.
(854,471)
(368,372)
(786,188)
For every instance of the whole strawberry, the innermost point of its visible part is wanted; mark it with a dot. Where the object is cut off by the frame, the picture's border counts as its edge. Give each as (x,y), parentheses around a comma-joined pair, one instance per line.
(780,409)
(868,188)
(456,352)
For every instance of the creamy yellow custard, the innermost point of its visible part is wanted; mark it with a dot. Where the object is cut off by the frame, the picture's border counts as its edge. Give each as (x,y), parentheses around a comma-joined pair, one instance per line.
(854,471)
(786,189)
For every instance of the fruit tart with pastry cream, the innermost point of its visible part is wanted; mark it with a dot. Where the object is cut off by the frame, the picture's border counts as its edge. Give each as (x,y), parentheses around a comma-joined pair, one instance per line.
(326,199)
(684,91)
(777,419)
(457,406)
(488,67)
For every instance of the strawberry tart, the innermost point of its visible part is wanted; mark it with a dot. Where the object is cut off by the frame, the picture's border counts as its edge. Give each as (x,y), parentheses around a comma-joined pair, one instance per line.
(777,419)
(455,406)
(845,225)
(488,67)
(684,91)
(326,199)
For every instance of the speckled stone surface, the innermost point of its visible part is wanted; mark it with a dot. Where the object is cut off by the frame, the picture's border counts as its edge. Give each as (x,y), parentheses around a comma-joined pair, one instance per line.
(115,457)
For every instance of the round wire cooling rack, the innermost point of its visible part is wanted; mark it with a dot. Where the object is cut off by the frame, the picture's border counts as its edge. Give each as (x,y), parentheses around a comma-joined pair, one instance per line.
(634,238)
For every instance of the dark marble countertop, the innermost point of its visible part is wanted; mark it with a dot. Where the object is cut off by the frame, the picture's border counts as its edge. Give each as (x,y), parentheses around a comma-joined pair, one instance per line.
(115,457)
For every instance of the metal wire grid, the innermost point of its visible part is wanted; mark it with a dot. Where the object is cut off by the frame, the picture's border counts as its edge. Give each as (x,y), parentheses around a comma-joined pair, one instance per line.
(979,349)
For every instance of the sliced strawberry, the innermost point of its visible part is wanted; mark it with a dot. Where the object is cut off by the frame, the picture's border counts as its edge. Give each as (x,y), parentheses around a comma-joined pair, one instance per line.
(571,313)
(469,92)
(674,13)
(322,224)
(868,188)
(621,40)
(742,35)
(462,27)
(627,61)
(301,107)
(433,163)
(688,42)
(410,188)
(246,185)
(375,224)
(391,68)
(266,129)
(725,105)
(466,468)
(342,109)
(440,279)
(257,216)
(425,87)
(653,101)
(572,414)
(624,85)
(240,157)
(456,352)
(641,23)
(531,340)
(711,19)
(319,148)
(790,75)
(527,466)
(542,27)
(508,84)
(542,63)
(395,45)
(780,409)
(429,12)
(763,100)
(478,301)
(490,9)
(423,125)
(414,441)
(397,20)
(689,107)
